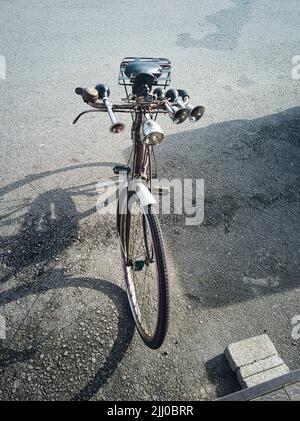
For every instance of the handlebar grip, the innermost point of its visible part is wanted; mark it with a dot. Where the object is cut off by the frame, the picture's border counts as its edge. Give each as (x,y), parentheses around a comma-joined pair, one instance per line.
(79,91)
(88,94)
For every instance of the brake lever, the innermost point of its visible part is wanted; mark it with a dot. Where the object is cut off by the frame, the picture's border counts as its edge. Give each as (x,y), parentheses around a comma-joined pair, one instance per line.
(85,112)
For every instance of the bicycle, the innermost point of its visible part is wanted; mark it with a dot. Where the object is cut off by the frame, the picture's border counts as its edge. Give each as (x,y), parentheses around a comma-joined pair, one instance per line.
(138,228)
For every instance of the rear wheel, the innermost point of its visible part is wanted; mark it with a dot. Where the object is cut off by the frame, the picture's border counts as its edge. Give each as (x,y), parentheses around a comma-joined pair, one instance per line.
(145,269)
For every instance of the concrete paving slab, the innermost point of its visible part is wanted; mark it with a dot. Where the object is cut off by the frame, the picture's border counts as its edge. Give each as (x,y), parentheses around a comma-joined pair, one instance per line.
(260,366)
(262,377)
(249,351)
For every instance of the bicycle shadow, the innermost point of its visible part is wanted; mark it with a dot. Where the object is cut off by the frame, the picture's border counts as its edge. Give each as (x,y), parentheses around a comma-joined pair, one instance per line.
(50,226)
(125,325)
(31,178)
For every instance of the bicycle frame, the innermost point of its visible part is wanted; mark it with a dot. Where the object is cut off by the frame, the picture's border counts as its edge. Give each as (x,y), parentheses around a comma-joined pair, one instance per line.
(141,163)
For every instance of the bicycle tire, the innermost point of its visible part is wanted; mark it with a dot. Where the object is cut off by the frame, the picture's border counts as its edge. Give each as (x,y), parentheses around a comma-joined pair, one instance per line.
(157,337)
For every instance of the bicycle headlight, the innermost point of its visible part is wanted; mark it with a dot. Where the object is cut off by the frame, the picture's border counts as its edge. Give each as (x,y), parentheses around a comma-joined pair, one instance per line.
(152,133)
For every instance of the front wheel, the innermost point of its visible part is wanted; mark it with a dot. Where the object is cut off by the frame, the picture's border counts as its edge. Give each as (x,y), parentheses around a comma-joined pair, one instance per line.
(145,268)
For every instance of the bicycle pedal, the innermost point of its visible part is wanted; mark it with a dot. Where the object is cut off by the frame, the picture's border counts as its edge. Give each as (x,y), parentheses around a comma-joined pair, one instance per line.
(121,168)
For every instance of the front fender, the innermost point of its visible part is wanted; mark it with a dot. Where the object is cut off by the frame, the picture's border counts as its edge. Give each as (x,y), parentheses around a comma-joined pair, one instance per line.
(144,195)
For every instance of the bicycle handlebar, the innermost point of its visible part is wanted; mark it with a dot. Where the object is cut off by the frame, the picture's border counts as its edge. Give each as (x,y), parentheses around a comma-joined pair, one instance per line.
(175,103)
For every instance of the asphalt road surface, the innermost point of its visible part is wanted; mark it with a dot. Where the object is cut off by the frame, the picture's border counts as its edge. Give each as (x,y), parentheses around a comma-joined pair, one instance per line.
(69,333)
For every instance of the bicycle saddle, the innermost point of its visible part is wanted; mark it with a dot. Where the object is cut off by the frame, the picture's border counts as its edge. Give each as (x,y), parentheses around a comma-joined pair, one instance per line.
(132,70)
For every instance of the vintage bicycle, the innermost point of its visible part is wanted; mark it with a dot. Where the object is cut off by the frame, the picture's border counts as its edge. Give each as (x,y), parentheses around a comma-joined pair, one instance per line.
(142,245)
